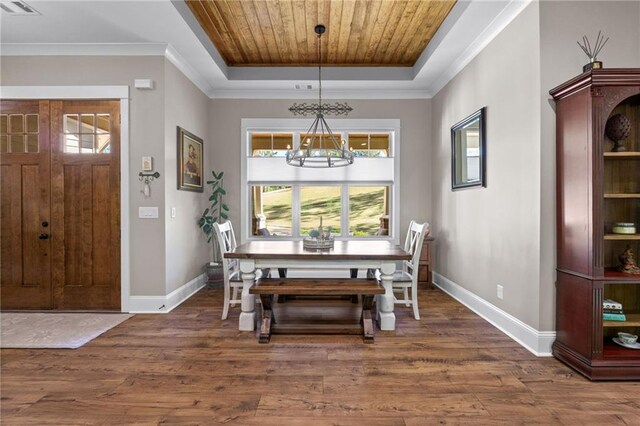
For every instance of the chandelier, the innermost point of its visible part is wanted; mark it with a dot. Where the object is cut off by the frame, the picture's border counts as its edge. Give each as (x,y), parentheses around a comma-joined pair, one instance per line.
(320,147)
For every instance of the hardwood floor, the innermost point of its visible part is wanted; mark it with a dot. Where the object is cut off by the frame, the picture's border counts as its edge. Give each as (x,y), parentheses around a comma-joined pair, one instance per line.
(189,367)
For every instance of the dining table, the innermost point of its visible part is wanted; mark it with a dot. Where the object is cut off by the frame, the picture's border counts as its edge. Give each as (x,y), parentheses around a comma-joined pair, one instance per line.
(344,255)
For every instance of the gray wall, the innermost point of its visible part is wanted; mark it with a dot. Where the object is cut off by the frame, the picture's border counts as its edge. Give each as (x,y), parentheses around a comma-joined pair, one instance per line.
(187,250)
(490,236)
(415,150)
(505,234)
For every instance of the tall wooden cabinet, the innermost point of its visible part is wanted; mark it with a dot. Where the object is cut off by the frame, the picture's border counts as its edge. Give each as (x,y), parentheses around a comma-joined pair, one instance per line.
(596,188)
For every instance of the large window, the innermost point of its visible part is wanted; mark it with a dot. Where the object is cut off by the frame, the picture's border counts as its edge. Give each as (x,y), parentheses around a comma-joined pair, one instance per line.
(358,201)
(275,214)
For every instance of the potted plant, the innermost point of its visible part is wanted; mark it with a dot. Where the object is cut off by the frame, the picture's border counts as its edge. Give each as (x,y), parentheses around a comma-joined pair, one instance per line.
(215,213)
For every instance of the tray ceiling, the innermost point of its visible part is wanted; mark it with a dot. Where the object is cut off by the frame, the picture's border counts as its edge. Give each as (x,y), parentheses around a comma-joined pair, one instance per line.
(359,32)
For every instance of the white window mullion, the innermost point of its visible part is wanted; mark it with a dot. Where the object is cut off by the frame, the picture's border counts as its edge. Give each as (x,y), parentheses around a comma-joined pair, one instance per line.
(295,211)
(344,211)
(296,140)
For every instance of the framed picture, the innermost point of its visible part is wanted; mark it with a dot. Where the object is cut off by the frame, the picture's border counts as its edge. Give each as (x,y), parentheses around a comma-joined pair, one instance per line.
(190,161)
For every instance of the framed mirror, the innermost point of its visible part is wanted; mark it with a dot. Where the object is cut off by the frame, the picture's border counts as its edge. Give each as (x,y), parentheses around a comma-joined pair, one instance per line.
(468,152)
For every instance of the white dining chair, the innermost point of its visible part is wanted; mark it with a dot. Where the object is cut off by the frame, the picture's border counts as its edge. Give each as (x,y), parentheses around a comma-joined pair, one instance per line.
(407,277)
(226,239)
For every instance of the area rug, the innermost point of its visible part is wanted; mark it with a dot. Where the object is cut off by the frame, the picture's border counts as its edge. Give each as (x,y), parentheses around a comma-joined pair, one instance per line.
(54,330)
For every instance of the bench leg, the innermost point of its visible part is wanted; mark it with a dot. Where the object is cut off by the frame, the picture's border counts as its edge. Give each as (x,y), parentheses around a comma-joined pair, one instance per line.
(264,334)
(367,322)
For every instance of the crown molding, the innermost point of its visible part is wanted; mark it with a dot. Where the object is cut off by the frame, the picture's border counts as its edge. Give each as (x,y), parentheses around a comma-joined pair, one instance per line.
(172,55)
(504,18)
(83,49)
(313,94)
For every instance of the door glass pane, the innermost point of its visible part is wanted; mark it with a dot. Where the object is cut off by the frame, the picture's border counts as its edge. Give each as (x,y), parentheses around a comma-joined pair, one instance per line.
(17,143)
(103,143)
(71,123)
(87,136)
(32,123)
(102,123)
(4,142)
(71,144)
(87,123)
(317,202)
(16,123)
(3,123)
(32,143)
(271,210)
(87,143)
(368,214)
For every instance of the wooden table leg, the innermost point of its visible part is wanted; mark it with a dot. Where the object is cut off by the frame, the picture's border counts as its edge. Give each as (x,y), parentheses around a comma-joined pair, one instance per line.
(367,323)
(267,315)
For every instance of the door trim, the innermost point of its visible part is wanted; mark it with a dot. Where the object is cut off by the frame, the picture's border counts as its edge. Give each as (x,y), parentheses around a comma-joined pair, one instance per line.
(97,92)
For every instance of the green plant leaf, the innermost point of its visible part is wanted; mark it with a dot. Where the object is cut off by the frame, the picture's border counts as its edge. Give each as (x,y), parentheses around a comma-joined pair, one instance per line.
(215,219)
(224,216)
(206,212)
(212,197)
(225,207)
(207,229)
(210,219)
(201,222)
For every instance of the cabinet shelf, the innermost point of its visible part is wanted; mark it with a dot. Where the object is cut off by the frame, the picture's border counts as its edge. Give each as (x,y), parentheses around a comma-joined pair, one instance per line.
(612,274)
(626,155)
(633,320)
(621,237)
(621,195)
(613,351)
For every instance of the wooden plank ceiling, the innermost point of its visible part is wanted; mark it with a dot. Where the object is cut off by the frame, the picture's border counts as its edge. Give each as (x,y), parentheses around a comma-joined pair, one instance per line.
(359,32)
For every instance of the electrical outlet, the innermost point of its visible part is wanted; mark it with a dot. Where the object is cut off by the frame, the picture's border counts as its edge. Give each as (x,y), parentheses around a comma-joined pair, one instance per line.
(500,292)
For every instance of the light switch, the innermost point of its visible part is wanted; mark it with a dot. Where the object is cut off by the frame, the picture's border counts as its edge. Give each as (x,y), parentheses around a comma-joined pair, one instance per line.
(148,212)
(173,212)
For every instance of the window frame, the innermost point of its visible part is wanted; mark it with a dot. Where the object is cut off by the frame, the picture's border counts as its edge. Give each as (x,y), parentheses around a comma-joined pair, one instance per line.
(338,126)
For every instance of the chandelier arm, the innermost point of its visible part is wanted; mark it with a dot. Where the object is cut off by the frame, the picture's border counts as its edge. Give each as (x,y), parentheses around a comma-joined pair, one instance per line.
(333,138)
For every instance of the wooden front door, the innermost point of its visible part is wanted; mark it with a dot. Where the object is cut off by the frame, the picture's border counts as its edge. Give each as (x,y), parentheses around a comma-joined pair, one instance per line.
(77,256)
(25,223)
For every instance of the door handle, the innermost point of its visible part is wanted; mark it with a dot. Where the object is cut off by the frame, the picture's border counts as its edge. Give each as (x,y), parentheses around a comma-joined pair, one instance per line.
(43,236)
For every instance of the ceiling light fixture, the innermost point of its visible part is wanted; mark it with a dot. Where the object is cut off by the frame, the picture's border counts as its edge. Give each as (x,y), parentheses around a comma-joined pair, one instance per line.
(321,148)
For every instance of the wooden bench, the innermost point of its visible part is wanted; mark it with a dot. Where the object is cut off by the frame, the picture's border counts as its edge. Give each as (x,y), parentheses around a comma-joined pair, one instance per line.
(268,288)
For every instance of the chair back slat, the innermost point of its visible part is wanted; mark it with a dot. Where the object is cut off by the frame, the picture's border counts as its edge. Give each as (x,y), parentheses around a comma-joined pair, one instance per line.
(226,240)
(413,244)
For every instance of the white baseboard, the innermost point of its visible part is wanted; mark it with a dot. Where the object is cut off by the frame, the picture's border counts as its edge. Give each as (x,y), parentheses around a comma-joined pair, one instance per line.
(537,342)
(165,304)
